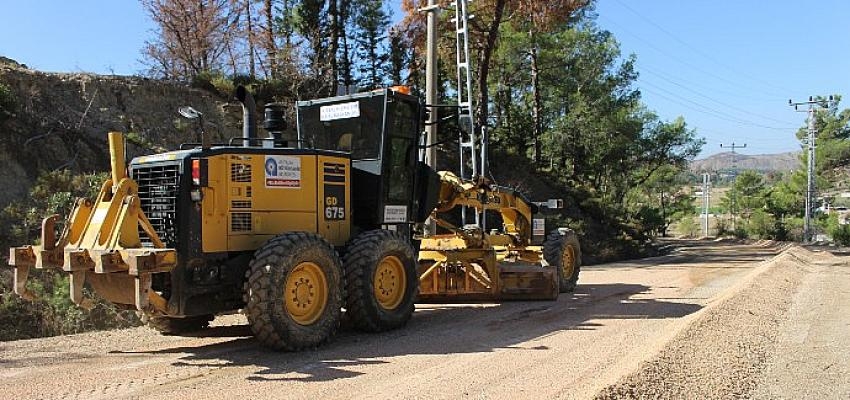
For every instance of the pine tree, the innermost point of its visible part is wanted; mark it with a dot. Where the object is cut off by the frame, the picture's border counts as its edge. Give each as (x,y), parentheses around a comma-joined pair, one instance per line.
(311,25)
(372,22)
(398,56)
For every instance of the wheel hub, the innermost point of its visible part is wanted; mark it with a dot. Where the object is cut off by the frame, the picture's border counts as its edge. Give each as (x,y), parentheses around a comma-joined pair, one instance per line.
(306,293)
(568,262)
(390,282)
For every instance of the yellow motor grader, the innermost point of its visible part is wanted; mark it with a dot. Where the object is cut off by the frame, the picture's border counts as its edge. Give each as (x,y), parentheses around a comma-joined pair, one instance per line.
(293,233)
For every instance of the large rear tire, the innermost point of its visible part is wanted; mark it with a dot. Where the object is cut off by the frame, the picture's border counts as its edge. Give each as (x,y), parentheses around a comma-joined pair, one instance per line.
(562,251)
(293,292)
(381,281)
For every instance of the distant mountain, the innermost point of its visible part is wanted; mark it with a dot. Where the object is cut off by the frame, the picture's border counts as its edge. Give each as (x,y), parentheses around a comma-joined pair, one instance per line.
(761,162)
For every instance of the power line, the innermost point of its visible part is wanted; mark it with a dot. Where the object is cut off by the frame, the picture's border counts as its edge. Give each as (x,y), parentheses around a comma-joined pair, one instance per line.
(697,51)
(712,111)
(715,100)
(715,89)
(685,63)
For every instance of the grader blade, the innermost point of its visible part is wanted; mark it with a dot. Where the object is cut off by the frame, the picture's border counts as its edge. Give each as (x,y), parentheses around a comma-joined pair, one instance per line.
(101,240)
(527,282)
(450,272)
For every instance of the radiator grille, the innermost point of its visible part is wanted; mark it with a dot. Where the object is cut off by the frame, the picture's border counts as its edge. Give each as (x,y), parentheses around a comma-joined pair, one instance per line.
(240,222)
(240,204)
(158,190)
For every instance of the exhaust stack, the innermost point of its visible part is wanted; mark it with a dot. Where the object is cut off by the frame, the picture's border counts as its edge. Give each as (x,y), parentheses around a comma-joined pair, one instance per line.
(249,111)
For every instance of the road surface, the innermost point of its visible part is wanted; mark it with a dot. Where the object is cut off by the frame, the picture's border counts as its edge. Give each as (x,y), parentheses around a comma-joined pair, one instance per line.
(625,324)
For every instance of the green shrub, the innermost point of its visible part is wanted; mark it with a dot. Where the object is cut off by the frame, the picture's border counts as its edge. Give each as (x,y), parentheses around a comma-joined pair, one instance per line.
(271,90)
(688,227)
(223,86)
(762,225)
(243,79)
(8,102)
(52,313)
(841,235)
(203,81)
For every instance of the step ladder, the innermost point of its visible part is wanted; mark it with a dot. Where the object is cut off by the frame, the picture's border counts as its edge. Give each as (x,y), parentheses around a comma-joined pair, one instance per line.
(471,152)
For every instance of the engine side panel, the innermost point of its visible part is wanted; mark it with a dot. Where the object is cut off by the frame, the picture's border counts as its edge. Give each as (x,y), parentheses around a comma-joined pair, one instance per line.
(251,198)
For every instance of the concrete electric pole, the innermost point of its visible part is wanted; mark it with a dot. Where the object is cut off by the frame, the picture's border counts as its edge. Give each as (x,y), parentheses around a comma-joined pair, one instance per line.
(814,105)
(431,100)
(706,202)
(733,199)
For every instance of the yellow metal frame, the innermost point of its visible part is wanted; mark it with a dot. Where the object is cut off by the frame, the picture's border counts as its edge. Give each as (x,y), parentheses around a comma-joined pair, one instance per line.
(101,237)
(470,263)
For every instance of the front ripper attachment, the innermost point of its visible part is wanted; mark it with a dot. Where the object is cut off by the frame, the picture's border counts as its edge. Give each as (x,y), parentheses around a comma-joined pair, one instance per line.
(100,244)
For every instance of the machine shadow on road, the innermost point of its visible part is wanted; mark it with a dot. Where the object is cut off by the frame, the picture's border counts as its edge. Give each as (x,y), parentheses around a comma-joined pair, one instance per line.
(443,329)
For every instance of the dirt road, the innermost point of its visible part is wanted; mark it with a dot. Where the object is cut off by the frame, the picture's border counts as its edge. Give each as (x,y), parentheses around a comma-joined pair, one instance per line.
(625,324)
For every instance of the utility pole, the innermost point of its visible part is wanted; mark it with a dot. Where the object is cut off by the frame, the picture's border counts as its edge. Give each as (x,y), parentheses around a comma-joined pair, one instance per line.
(706,201)
(813,106)
(431,100)
(733,146)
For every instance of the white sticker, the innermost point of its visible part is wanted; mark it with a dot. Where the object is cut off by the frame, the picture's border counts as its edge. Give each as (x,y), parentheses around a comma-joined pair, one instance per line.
(339,111)
(283,172)
(395,214)
(538,227)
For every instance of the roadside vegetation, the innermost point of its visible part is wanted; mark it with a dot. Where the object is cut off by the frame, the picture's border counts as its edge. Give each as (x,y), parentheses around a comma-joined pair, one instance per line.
(770,205)
(52,313)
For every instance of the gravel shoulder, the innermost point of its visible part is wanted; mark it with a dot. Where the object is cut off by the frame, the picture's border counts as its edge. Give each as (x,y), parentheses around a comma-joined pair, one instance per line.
(620,316)
(811,358)
(773,335)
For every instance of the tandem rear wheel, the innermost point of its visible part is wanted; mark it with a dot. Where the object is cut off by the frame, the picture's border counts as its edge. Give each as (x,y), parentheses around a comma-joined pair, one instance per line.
(293,292)
(381,280)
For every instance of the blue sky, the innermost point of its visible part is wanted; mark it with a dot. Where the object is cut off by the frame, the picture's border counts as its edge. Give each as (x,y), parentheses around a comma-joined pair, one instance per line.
(729,67)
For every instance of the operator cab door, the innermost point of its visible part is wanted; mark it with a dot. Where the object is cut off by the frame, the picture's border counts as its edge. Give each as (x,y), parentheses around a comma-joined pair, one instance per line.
(400,162)
(381,130)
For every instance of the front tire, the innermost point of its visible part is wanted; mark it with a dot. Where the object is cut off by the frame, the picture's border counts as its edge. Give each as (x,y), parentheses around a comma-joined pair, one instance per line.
(562,251)
(293,292)
(381,281)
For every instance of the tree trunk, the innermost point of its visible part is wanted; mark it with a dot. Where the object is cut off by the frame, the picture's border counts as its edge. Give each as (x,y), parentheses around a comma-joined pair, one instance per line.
(333,10)
(485,55)
(271,48)
(252,71)
(345,70)
(538,107)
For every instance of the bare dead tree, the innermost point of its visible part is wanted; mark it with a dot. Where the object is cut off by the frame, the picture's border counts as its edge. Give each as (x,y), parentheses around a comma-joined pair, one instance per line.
(192,36)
